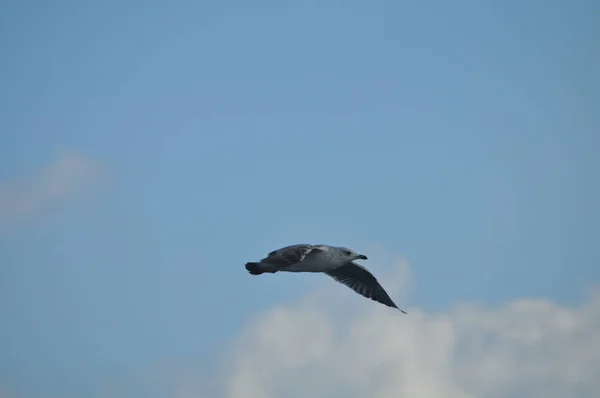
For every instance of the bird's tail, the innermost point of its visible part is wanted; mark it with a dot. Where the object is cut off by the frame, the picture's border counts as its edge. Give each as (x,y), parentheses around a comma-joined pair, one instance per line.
(259,268)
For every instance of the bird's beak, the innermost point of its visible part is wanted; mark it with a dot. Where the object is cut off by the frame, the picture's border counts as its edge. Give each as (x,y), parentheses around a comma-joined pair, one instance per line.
(362,257)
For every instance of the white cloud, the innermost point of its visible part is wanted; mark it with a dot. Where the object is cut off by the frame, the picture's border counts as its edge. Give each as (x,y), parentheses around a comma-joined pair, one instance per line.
(70,175)
(526,348)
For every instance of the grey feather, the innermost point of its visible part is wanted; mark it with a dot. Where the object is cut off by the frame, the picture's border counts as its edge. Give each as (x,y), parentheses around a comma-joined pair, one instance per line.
(288,255)
(359,279)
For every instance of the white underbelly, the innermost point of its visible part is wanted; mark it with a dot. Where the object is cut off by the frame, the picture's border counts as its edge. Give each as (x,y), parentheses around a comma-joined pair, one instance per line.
(312,264)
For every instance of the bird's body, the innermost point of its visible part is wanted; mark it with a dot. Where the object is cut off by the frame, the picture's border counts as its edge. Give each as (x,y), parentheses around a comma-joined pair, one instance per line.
(336,262)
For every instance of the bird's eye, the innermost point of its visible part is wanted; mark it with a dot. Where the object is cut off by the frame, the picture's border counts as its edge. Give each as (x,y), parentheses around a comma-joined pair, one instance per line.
(347,252)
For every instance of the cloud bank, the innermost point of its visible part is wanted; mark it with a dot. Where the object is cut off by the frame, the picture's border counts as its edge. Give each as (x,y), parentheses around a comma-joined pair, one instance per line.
(70,175)
(526,348)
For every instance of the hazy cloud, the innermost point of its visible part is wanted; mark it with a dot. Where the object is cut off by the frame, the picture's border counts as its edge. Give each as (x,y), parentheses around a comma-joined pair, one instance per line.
(70,175)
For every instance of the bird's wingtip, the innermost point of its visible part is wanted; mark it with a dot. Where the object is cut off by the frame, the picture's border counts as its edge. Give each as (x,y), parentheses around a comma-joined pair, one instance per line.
(400,309)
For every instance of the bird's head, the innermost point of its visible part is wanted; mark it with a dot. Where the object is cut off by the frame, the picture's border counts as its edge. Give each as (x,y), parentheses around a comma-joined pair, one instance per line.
(351,254)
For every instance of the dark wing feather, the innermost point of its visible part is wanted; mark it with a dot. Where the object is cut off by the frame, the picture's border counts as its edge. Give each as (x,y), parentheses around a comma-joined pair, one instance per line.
(362,282)
(288,255)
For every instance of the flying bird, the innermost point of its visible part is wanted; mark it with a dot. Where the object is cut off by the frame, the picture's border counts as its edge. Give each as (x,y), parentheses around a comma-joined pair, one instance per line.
(336,262)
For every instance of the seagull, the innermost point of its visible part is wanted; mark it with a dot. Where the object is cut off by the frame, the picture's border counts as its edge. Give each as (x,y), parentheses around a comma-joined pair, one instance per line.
(336,262)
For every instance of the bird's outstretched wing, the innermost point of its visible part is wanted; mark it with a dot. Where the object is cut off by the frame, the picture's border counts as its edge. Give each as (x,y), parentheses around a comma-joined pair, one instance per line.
(360,280)
(288,255)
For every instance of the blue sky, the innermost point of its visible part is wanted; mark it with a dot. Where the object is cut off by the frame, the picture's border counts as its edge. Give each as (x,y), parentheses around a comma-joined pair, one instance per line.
(461,137)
